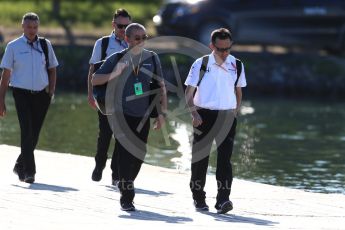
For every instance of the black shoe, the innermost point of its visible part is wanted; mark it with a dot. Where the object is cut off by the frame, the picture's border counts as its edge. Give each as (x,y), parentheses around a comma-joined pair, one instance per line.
(97,174)
(29,179)
(200,205)
(224,207)
(19,172)
(127,206)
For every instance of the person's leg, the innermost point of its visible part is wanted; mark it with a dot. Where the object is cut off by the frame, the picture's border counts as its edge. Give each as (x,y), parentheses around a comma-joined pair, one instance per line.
(40,105)
(224,168)
(129,162)
(201,148)
(142,135)
(114,165)
(125,185)
(104,137)
(103,141)
(25,161)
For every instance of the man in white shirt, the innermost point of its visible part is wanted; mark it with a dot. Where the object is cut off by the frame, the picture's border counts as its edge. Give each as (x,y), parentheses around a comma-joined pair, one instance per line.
(29,67)
(115,43)
(214,108)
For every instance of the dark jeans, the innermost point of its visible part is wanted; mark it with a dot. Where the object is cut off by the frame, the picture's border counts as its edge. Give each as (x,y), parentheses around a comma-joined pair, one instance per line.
(202,143)
(104,137)
(31,111)
(131,146)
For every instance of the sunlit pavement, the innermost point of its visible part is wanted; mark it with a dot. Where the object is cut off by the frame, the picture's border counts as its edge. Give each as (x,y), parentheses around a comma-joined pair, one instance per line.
(65,197)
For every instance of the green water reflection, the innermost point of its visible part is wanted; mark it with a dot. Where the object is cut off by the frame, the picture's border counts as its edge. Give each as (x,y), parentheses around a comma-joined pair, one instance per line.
(286,142)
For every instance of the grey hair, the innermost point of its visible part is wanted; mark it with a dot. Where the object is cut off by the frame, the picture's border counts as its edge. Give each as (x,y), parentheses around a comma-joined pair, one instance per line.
(133,26)
(30,16)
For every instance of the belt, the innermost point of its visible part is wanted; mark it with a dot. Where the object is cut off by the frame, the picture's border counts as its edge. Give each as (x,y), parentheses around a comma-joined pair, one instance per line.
(29,91)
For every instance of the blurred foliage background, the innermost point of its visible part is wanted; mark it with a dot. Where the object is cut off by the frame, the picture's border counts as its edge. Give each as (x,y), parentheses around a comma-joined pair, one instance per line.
(76,17)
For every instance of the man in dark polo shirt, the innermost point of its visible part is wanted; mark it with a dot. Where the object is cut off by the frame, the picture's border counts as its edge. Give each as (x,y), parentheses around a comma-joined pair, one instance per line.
(133,69)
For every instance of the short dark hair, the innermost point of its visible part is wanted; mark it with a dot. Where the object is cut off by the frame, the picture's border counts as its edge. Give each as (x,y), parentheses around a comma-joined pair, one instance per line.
(133,26)
(222,34)
(121,13)
(30,16)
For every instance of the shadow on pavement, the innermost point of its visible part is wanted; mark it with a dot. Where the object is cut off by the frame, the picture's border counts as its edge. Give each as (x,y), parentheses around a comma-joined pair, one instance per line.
(48,187)
(152,193)
(152,216)
(239,219)
(141,191)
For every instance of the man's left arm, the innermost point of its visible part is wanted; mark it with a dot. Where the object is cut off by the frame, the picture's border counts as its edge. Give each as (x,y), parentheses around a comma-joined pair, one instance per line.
(242,82)
(53,63)
(52,80)
(238,92)
(164,100)
(160,120)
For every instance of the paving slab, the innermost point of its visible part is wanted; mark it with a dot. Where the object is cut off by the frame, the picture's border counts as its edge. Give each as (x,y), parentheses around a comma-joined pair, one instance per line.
(65,197)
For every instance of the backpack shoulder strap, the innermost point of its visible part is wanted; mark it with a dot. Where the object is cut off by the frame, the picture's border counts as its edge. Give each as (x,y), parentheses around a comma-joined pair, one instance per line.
(203,68)
(154,62)
(44,46)
(105,43)
(121,54)
(239,69)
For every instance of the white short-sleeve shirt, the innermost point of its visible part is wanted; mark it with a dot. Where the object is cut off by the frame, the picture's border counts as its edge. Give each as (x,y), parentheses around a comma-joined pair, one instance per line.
(28,64)
(115,45)
(216,91)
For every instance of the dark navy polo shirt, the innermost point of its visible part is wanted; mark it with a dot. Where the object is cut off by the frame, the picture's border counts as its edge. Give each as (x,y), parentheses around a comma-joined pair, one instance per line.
(131,104)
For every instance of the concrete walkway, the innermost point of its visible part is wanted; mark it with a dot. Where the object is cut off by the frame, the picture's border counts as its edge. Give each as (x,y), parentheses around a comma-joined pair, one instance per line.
(65,197)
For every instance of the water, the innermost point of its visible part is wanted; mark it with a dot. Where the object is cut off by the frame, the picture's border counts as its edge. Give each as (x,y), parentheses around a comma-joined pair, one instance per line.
(287,142)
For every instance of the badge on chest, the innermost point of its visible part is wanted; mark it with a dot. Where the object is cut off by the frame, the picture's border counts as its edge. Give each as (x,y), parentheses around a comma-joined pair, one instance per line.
(138,89)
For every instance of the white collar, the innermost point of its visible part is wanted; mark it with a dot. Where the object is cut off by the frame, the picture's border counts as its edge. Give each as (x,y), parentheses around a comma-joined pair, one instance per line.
(122,43)
(212,59)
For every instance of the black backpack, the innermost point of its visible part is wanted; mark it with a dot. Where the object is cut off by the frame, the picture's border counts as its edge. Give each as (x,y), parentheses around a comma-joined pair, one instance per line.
(44,46)
(105,42)
(99,91)
(204,66)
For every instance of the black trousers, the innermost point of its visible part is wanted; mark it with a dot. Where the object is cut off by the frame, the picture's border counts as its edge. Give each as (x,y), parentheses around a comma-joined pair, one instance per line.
(31,111)
(104,137)
(221,127)
(131,146)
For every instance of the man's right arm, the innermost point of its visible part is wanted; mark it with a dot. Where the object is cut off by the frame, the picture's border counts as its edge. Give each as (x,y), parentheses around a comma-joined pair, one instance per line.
(5,79)
(100,78)
(95,57)
(90,98)
(191,83)
(189,95)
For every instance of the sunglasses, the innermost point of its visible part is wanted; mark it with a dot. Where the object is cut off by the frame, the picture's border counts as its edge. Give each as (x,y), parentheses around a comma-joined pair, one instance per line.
(142,38)
(121,26)
(222,50)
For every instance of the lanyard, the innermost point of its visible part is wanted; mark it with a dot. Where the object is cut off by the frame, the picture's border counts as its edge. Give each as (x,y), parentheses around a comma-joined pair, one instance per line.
(136,68)
(32,45)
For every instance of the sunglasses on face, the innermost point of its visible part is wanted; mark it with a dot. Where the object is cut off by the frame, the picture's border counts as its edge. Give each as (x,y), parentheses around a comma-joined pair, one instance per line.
(121,26)
(142,38)
(222,50)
